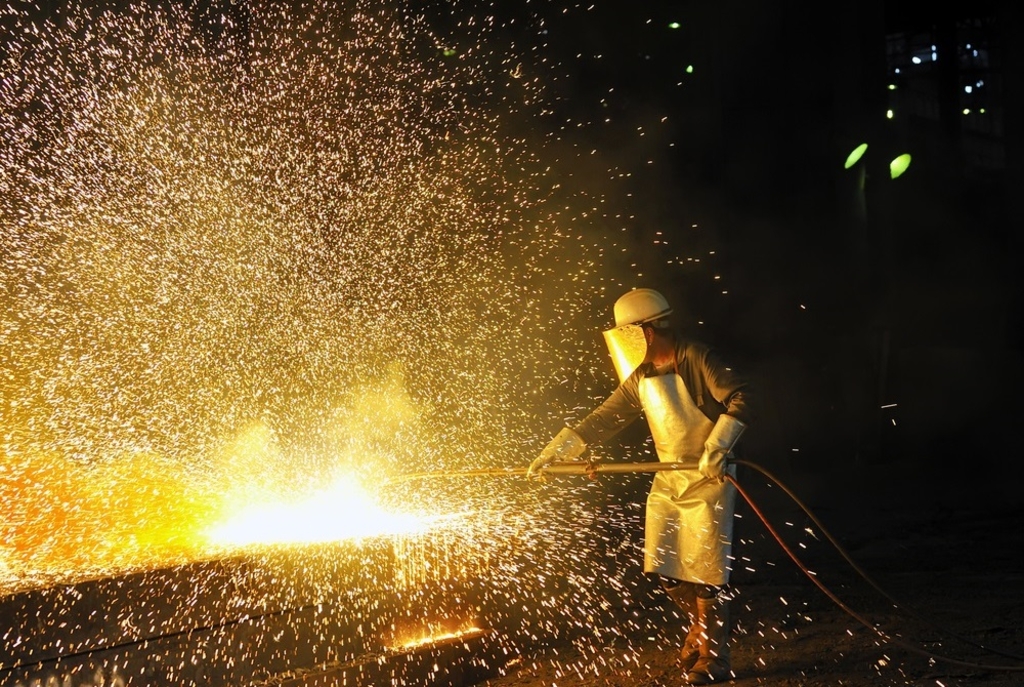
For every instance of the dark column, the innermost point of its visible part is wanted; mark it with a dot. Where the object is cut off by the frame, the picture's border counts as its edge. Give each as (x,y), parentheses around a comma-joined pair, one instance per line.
(1011,38)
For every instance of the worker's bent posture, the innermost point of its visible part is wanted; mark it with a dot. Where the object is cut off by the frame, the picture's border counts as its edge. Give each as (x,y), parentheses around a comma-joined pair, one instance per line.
(696,409)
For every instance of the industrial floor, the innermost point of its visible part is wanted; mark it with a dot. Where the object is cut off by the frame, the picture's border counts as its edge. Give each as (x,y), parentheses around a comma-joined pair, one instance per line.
(948,584)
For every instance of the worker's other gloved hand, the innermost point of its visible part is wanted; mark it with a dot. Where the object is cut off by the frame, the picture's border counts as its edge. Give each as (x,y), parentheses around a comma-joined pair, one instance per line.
(718,447)
(566,445)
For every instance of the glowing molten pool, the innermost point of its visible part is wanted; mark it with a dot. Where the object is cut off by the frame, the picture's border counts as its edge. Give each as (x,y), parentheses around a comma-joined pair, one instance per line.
(66,521)
(342,511)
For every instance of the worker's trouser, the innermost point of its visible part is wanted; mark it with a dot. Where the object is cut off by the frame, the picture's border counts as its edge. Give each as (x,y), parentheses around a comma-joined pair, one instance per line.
(705,656)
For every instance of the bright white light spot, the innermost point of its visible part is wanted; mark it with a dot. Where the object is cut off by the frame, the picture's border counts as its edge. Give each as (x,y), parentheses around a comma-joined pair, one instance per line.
(342,511)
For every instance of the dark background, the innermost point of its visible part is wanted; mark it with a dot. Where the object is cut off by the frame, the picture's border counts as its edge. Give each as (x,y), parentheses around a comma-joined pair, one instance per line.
(880,316)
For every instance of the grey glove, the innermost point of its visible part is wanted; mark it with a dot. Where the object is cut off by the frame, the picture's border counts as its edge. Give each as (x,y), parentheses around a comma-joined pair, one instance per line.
(566,445)
(719,445)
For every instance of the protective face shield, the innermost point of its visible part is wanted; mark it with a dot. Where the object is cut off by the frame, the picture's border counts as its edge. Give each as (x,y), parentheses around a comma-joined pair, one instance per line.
(628,348)
(625,341)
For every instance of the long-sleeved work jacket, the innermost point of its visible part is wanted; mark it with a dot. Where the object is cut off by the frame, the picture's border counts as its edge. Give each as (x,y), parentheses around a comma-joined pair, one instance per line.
(714,388)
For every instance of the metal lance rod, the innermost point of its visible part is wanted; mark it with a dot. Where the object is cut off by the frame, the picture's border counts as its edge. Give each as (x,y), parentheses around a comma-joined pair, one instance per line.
(576,467)
(597,467)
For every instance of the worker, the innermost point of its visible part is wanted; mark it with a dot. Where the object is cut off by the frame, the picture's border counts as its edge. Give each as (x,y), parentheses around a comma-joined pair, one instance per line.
(697,408)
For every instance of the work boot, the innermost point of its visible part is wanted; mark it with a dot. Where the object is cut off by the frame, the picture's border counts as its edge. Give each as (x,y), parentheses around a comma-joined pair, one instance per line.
(691,648)
(713,664)
(684,595)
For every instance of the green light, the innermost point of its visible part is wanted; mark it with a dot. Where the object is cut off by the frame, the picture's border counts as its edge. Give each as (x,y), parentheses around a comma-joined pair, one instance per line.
(689,69)
(855,155)
(449,52)
(674,25)
(899,165)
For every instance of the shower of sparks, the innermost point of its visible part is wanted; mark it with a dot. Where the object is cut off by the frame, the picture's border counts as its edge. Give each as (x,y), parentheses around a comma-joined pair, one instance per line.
(260,248)
(258,258)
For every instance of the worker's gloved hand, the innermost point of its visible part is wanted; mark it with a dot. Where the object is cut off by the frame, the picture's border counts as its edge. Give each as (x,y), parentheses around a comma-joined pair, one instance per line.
(718,447)
(566,445)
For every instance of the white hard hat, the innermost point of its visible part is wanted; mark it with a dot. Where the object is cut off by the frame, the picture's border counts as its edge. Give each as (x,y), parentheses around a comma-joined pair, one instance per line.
(641,306)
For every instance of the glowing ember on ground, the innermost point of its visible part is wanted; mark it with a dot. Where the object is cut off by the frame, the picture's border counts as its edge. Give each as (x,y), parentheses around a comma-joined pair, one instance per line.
(426,640)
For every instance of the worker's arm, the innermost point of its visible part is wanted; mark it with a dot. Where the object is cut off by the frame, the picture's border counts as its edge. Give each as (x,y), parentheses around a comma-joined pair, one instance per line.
(732,390)
(618,410)
(612,416)
(727,386)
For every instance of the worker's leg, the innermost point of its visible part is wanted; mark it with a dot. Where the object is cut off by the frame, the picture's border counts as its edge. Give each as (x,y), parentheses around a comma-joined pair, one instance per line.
(684,594)
(713,663)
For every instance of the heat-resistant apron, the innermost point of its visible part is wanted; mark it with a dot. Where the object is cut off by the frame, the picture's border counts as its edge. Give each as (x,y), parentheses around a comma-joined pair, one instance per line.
(688,529)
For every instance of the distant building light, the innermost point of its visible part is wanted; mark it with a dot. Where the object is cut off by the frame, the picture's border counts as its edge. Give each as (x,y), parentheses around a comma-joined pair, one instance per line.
(855,155)
(899,165)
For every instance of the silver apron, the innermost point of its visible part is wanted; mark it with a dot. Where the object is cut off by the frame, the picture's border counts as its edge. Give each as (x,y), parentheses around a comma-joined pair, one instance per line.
(688,530)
